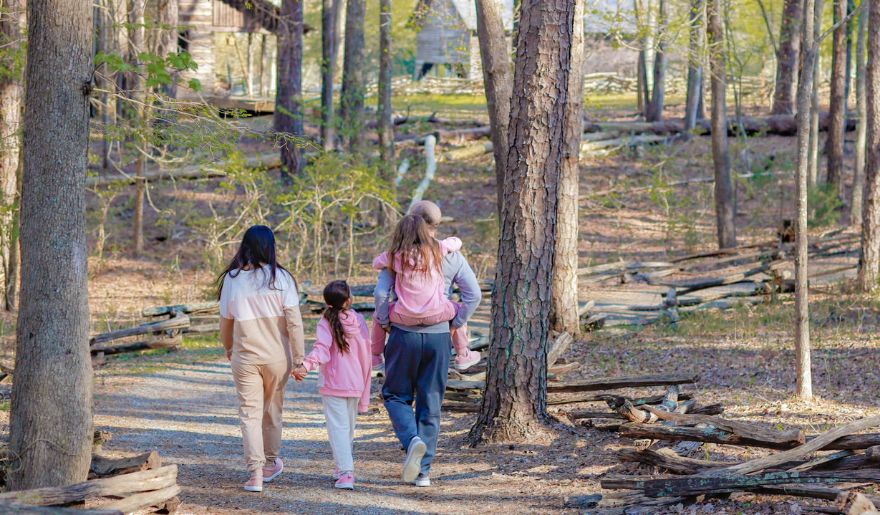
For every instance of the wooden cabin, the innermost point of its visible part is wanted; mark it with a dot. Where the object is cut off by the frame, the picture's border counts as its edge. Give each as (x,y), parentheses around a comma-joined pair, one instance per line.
(447,38)
(235,51)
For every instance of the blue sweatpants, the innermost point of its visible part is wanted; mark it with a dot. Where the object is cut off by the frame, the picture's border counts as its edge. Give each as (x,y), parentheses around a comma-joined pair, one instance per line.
(416,368)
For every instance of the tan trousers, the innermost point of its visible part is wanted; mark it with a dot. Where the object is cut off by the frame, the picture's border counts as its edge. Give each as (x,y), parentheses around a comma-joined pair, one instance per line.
(260,395)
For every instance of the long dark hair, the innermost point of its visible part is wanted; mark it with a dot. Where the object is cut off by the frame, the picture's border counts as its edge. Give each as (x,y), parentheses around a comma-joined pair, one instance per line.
(413,242)
(336,294)
(257,250)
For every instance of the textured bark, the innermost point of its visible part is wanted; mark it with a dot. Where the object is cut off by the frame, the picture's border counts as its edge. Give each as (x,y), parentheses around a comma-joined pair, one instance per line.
(385,122)
(838,99)
(693,104)
(869,264)
(329,47)
(51,422)
(287,119)
(564,301)
(725,191)
(12,25)
(351,108)
(658,92)
(787,58)
(804,116)
(813,176)
(515,400)
(497,81)
(137,93)
(855,214)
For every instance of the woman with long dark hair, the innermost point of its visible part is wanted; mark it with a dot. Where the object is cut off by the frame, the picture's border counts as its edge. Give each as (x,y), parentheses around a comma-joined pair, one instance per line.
(262,332)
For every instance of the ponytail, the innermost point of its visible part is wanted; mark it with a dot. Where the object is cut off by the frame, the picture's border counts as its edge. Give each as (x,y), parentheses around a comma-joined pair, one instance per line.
(336,294)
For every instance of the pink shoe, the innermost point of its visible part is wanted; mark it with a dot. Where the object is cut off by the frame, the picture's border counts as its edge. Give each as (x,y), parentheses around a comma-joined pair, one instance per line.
(270,473)
(255,483)
(467,360)
(345,481)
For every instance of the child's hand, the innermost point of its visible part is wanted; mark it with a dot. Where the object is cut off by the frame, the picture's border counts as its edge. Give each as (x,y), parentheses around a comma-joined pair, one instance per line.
(299,373)
(386,328)
(229,354)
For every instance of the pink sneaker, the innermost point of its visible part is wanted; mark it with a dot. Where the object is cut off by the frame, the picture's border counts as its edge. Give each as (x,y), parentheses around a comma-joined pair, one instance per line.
(255,483)
(270,473)
(336,473)
(466,361)
(345,481)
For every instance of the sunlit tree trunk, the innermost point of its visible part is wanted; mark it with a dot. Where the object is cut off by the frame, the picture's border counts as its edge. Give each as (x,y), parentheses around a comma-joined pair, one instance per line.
(813,177)
(288,117)
(658,93)
(787,58)
(858,190)
(693,104)
(138,95)
(837,127)
(385,115)
(869,264)
(51,427)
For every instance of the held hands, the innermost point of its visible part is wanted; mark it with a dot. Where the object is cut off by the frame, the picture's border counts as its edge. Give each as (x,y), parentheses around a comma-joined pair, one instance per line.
(299,373)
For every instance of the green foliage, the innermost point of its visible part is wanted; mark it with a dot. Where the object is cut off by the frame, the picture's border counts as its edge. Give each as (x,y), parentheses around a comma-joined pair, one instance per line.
(158,70)
(824,204)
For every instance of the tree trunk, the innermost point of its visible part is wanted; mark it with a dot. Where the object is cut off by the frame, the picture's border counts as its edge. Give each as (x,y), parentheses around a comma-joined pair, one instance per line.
(696,23)
(787,58)
(137,94)
(498,82)
(869,264)
(564,302)
(725,192)
(287,120)
(838,99)
(329,14)
(168,15)
(515,401)
(51,422)
(658,93)
(855,213)
(814,101)
(12,25)
(385,125)
(642,82)
(809,54)
(351,108)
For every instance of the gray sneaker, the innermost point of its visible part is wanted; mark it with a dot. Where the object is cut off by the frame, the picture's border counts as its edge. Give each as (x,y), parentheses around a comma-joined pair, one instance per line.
(424,480)
(413,462)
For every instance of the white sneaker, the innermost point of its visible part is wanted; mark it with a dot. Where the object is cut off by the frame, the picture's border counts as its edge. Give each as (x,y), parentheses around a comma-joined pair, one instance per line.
(423,480)
(413,462)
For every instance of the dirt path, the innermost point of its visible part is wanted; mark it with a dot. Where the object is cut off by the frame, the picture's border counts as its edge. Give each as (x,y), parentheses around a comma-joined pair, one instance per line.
(189,414)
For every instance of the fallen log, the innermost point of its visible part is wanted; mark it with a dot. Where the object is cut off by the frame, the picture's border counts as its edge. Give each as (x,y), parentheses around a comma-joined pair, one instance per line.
(558,348)
(198,307)
(612,383)
(109,350)
(555,400)
(177,322)
(269,161)
(777,125)
(119,486)
(103,466)
(143,500)
(668,459)
(854,503)
(698,434)
(742,429)
(19,508)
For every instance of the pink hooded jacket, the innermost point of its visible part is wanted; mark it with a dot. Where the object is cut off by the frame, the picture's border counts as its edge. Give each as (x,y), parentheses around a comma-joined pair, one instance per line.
(419,294)
(343,374)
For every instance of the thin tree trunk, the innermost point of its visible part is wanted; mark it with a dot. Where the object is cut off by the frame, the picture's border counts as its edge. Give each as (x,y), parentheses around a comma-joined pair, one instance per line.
(51,422)
(814,101)
(106,44)
(787,58)
(642,82)
(351,108)
(287,120)
(329,14)
(515,401)
(564,302)
(137,92)
(850,24)
(498,83)
(168,16)
(855,213)
(838,99)
(12,30)
(385,125)
(696,24)
(869,264)
(809,54)
(725,192)
(658,93)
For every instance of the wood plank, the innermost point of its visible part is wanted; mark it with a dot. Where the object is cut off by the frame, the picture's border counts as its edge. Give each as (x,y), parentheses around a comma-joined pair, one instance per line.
(611,383)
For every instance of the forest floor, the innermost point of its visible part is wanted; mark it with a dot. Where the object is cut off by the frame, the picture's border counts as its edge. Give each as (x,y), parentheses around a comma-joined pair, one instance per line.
(633,206)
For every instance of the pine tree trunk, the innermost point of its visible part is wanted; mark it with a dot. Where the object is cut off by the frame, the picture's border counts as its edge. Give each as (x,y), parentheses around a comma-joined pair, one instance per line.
(515,400)
(51,421)
(564,302)
(385,124)
(693,106)
(809,55)
(725,191)
(658,93)
(498,82)
(836,126)
(787,58)
(855,213)
(137,93)
(329,14)
(869,264)
(12,27)
(287,120)
(351,108)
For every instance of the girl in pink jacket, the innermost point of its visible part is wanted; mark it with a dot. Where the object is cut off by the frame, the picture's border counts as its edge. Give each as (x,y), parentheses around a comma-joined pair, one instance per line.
(342,352)
(416,260)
